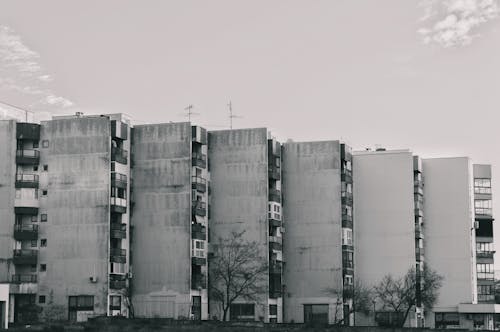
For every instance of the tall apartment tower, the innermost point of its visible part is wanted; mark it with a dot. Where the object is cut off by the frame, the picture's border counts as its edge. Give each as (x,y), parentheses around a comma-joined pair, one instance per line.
(245,172)
(388,214)
(484,234)
(170,221)
(64,219)
(319,248)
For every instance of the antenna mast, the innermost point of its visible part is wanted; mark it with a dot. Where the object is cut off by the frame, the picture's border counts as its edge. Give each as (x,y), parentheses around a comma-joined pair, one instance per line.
(190,112)
(231,115)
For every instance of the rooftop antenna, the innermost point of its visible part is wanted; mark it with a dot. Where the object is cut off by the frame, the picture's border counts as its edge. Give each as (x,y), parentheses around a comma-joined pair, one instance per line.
(19,108)
(231,115)
(190,112)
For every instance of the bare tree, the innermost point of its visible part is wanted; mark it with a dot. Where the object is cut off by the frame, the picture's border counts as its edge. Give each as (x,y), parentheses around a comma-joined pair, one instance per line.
(360,295)
(237,271)
(400,295)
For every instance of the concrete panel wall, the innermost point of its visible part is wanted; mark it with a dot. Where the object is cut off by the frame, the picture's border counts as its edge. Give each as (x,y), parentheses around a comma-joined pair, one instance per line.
(384,218)
(7,194)
(313,238)
(239,188)
(448,220)
(77,208)
(162,220)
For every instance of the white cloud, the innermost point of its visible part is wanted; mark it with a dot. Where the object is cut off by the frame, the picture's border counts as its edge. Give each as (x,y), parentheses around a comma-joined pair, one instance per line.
(21,72)
(452,23)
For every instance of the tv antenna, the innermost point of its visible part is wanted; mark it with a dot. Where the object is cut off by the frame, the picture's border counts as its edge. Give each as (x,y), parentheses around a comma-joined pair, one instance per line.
(190,112)
(231,115)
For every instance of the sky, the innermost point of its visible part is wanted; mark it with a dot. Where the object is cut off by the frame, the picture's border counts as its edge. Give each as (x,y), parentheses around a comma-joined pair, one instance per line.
(423,74)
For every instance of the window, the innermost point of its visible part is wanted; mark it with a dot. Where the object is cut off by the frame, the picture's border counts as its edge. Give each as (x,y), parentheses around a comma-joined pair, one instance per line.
(34,243)
(35,145)
(43,242)
(81,302)
(273,309)
(448,319)
(35,168)
(316,313)
(115,302)
(389,318)
(41,299)
(118,268)
(486,292)
(43,267)
(45,143)
(44,192)
(485,247)
(485,271)
(242,311)
(348,280)
(34,218)
(347,236)
(347,260)
(118,192)
(482,186)
(43,217)
(45,167)
(483,206)
(18,193)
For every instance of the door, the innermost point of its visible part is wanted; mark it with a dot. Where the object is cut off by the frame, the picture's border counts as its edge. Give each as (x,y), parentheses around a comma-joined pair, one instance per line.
(196,307)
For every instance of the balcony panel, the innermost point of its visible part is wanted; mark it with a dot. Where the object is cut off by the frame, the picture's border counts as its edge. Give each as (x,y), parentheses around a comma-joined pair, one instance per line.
(118,231)
(198,281)
(117,284)
(274,173)
(119,130)
(23,278)
(27,157)
(32,211)
(198,261)
(275,222)
(118,205)
(199,208)
(117,255)
(199,135)
(346,176)
(347,199)
(25,232)
(27,181)
(199,160)
(119,180)
(25,257)
(26,202)
(199,184)
(27,131)
(274,195)
(119,155)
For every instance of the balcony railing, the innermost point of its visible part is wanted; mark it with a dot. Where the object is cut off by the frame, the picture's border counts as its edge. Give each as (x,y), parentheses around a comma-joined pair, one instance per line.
(24,278)
(485,254)
(118,205)
(275,267)
(419,253)
(199,208)
(119,180)
(199,159)
(117,281)
(346,198)
(198,232)
(274,173)
(27,157)
(119,155)
(199,183)
(25,232)
(27,131)
(346,220)
(118,255)
(346,175)
(25,256)
(118,231)
(275,243)
(27,181)
(198,261)
(483,211)
(274,195)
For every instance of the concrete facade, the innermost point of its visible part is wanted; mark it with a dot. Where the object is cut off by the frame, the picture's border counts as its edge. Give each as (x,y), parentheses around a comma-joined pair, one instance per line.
(4,306)
(238,162)
(384,232)
(312,211)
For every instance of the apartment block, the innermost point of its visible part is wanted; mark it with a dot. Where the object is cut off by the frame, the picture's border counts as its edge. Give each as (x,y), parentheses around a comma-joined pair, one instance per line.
(319,247)
(63,199)
(170,220)
(245,186)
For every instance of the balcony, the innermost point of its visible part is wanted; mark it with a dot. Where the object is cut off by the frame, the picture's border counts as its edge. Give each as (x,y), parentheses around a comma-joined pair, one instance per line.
(198,281)
(200,208)
(274,293)
(198,183)
(275,267)
(119,180)
(117,281)
(118,231)
(346,198)
(119,130)
(275,243)
(25,257)
(274,222)
(117,255)
(25,232)
(346,220)
(199,159)
(23,278)
(419,212)
(27,131)
(27,181)
(274,195)
(198,261)
(419,232)
(419,254)
(118,205)
(27,157)
(199,135)
(346,175)
(418,183)
(274,173)
(485,254)
(27,205)
(119,155)
(198,232)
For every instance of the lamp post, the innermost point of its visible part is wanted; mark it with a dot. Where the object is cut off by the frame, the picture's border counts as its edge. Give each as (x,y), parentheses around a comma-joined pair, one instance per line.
(373,302)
